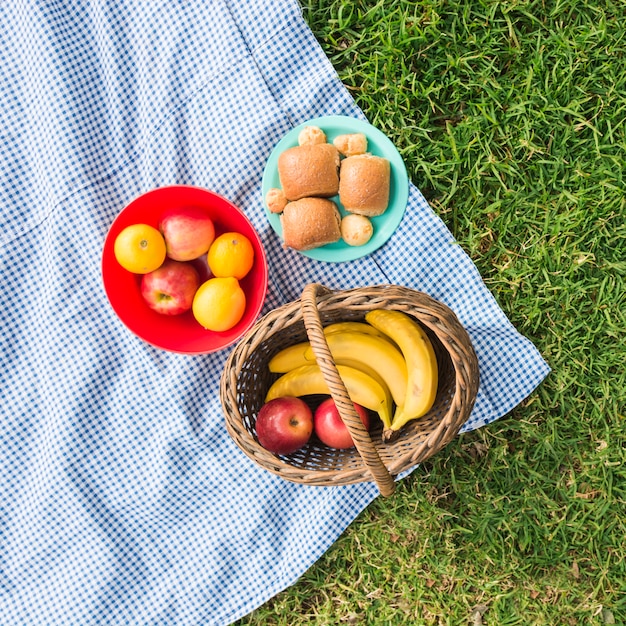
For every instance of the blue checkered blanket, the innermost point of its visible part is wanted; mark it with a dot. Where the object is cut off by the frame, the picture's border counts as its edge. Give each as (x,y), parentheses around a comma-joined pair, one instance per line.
(122,498)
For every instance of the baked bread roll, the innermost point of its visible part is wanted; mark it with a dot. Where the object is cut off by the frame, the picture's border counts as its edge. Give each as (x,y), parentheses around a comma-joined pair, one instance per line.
(309,170)
(311,135)
(364,184)
(309,223)
(351,144)
(356,230)
(275,200)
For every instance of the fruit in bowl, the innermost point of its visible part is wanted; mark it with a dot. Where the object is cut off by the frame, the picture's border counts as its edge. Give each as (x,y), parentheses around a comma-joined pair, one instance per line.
(188,232)
(219,303)
(156,301)
(140,248)
(231,254)
(170,289)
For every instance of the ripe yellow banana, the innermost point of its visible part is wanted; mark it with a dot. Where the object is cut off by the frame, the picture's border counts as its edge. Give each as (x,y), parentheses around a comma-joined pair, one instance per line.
(370,371)
(294,356)
(308,380)
(353,327)
(374,352)
(420,360)
(289,358)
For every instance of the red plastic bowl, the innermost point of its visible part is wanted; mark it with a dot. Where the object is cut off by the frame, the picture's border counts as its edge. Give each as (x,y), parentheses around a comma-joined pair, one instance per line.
(180,333)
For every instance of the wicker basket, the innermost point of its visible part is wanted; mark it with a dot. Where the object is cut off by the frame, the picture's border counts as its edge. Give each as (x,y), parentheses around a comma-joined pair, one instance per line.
(246,379)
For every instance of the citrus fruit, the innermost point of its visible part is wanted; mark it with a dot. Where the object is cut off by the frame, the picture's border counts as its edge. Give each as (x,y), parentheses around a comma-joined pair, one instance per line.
(139,248)
(219,303)
(231,254)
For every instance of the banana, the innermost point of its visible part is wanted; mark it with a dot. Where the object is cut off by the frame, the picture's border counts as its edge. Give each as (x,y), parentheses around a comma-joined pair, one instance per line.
(353,327)
(294,356)
(370,371)
(374,352)
(308,380)
(289,358)
(420,360)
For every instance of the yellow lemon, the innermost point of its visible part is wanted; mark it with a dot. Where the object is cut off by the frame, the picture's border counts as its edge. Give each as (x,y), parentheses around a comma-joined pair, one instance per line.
(140,248)
(219,303)
(231,254)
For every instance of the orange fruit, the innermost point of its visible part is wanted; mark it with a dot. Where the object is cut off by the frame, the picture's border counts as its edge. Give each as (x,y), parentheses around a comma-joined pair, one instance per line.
(231,254)
(140,248)
(219,303)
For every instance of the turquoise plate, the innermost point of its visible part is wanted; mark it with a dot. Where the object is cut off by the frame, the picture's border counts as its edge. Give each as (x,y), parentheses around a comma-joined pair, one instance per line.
(378,144)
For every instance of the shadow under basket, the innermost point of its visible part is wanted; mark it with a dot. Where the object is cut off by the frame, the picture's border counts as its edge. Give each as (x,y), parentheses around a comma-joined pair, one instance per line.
(246,380)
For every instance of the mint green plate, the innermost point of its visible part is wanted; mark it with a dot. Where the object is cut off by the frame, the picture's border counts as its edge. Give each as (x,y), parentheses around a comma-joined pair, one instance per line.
(378,144)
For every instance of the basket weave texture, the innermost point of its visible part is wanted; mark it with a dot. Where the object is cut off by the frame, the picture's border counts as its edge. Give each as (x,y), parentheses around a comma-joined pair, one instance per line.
(246,379)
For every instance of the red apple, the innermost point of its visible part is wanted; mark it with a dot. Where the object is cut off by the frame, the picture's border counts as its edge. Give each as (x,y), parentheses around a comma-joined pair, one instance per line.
(188,233)
(285,424)
(170,288)
(329,426)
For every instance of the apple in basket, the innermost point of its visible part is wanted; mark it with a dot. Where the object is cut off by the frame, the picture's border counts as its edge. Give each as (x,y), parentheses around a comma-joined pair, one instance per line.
(170,288)
(188,233)
(329,426)
(284,424)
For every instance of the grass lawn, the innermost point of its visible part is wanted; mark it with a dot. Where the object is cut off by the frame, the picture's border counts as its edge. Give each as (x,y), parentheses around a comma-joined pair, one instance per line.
(511,118)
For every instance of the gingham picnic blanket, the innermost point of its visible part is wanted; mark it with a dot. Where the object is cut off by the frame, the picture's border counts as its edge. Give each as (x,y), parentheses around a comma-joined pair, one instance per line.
(122,498)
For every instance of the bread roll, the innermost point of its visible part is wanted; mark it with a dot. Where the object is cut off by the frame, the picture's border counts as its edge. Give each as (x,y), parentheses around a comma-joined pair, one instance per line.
(309,223)
(356,230)
(309,170)
(364,184)
(351,144)
(311,135)
(275,200)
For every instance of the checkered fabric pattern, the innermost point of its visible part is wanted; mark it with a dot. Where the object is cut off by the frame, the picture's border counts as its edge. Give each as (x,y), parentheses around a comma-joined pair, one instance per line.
(122,498)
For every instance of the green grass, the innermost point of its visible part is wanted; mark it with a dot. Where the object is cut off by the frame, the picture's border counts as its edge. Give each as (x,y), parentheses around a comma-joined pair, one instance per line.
(511,118)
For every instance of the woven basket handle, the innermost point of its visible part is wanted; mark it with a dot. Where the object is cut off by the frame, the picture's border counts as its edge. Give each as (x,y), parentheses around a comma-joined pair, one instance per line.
(319,345)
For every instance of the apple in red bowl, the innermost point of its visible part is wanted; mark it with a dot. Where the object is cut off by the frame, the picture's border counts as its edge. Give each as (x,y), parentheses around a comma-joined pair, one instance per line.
(171,209)
(170,288)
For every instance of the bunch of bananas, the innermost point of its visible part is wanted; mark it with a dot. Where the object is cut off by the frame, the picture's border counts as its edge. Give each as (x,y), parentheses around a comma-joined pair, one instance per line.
(387,364)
